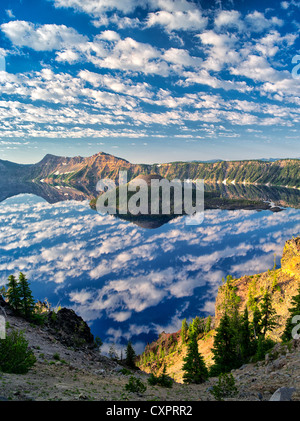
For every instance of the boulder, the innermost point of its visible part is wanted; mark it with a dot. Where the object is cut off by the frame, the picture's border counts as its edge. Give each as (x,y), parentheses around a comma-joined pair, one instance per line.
(283,394)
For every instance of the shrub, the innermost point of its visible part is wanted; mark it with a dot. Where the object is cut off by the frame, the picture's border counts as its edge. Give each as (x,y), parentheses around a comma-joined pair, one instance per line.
(125,371)
(163,380)
(15,356)
(135,385)
(225,387)
(263,347)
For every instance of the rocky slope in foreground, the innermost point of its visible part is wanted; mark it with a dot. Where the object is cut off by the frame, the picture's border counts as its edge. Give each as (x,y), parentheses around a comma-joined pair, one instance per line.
(283,282)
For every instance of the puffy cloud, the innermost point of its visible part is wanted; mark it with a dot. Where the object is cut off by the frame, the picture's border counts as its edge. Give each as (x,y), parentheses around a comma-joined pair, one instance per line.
(230,18)
(270,44)
(178,20)
(129,54)
(117,84)
(41,37)
(98,7)
(181,58)
(286,4)
(254,22)
(258,22)
(203,77)
(109,35)
(220,49)
(258,68)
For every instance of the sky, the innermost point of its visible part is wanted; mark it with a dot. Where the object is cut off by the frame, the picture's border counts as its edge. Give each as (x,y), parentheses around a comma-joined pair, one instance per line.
(149,80)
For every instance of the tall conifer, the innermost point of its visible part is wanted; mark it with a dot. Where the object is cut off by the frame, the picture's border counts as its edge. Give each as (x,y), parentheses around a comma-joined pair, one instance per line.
(194,367)
(27,303)
(13,293)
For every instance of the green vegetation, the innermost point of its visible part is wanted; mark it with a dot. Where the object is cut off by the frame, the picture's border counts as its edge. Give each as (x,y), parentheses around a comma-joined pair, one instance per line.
(163,380)
(194,368)
(20,298)
(13,293)
(15,357)
(130,356)
(238,340)
(225,387)
(135,385)
(279,173)
(125,371)
(184,330)
(27,303)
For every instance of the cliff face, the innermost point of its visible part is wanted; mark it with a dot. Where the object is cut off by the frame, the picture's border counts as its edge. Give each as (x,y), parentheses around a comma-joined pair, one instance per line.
(282,282)
(88,170)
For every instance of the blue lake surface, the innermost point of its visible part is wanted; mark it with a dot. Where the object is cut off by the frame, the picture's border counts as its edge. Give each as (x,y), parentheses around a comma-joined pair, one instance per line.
(131,283)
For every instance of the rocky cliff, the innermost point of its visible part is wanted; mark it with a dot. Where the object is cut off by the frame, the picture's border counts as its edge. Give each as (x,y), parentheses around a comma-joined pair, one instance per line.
(87,171)
(283,283)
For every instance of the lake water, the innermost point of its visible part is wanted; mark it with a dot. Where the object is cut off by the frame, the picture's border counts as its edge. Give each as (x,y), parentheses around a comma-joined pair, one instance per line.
(128,282)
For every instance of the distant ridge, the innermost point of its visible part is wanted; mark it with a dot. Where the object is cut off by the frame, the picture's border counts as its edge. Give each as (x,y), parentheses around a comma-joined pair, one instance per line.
(86,171)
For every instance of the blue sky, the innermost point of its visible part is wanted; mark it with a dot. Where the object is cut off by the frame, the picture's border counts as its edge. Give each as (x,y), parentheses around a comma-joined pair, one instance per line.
(149,80)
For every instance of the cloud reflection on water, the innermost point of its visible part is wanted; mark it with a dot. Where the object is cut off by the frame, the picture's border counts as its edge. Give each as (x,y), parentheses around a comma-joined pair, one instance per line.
(128,282)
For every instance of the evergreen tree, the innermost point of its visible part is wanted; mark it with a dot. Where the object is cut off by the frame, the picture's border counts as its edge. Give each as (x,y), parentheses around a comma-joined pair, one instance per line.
(27,303)
(195,327)
(194,367)
(208,324)
(231,300)
(130,355)
(294,311)
(225,348)
(184,329)
(268,314)
(13,293)
(245,337)
(256,321)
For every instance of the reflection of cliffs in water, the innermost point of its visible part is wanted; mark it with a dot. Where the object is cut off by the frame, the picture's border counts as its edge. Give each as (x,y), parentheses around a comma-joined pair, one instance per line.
(54,192)
(217,196)
(160,205)
(281,196)
(51,193)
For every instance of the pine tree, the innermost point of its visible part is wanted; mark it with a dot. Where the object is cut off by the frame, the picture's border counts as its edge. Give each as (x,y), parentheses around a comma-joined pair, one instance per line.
(195,327)
(245,337)
(27,303)
(231,301)
(268,314)
(208,324)
(194,367)
(294,311)
(256,321)
(13,293)
(184,329)
(225,348)
(130,356)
